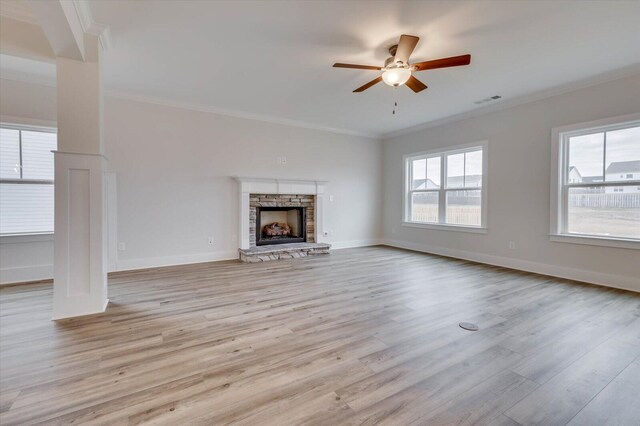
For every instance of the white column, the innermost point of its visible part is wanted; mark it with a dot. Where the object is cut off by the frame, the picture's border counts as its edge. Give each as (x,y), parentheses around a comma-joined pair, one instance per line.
(80,247)
(80,265)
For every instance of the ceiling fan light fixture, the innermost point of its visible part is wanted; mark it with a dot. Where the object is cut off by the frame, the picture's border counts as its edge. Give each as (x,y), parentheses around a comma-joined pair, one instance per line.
(396,76)
(398,69)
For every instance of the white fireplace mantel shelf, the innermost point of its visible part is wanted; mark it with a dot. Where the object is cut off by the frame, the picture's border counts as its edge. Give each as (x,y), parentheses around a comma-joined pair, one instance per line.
(247,186)
(280,186)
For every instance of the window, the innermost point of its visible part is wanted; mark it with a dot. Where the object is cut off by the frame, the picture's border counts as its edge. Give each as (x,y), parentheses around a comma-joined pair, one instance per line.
(604,202)
(26,180)
(446,189)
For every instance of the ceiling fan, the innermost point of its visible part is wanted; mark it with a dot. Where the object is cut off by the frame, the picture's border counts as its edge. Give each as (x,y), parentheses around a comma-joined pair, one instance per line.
(397,70)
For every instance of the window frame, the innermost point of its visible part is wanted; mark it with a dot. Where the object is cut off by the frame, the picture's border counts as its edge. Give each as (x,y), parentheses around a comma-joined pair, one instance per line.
(560,185)
(443,189)
(22,181)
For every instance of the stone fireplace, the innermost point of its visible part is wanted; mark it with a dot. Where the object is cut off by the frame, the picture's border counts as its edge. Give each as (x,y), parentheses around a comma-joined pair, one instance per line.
(280,219)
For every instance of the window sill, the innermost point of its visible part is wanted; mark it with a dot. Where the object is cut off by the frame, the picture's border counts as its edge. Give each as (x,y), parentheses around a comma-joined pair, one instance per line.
(444,227)
(595,241)
(25,238)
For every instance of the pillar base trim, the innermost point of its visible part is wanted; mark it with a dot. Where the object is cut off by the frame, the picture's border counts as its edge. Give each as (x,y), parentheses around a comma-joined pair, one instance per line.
(82,313)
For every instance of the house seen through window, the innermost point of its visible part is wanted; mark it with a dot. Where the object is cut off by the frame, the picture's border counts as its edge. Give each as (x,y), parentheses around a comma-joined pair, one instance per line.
(599,193)
(445,187)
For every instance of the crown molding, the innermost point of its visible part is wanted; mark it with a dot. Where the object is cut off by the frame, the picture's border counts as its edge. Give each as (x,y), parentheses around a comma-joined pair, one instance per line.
(618,74)
(236,114)
(42,81)
(92,27)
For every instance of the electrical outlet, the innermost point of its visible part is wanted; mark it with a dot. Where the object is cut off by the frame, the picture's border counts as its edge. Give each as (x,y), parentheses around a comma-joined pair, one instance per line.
(393,230)
(210,241)
(512,245)
(122,246)
(281,160)
(331,198)
(234,237)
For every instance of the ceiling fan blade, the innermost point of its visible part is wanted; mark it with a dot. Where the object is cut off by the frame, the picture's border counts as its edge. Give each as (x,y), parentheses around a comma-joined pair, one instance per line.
(454,61)
(369,84)
(415,84)
(405,48)
(358,67)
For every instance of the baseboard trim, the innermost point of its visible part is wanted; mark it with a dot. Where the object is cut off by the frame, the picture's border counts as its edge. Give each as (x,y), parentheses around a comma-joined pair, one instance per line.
(355,243)
(158,262)
(17,276)
(82,313)
(187,259)
(24,274)
(591,277)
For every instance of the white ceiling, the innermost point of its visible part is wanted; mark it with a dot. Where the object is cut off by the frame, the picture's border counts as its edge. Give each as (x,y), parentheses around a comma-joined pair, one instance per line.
(272,60)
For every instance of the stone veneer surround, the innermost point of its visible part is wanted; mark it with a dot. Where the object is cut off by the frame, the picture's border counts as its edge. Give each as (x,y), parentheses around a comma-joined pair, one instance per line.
(305,193)
(282,200)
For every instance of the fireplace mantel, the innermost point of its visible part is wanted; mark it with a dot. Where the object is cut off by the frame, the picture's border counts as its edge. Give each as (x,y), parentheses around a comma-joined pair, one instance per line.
(247,186)
(280,186)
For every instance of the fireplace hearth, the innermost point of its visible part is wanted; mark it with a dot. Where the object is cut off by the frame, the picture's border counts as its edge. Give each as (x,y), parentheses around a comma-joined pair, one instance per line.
(280,225)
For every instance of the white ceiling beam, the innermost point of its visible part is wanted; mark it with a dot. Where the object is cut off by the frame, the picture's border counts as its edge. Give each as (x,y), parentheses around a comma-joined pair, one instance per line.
(92,27)
(61,24)
(22,11)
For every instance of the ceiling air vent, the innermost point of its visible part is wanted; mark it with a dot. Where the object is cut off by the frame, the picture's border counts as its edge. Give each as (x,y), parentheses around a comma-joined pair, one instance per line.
(489,99)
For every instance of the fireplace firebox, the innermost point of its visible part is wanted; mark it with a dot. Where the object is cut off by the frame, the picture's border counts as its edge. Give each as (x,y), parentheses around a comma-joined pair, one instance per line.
(280,225)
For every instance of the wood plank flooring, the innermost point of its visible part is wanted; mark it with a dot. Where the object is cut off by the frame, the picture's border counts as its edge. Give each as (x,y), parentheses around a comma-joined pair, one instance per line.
(362,336)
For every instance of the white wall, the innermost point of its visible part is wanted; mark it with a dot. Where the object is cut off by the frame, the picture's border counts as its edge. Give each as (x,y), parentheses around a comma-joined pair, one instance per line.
(174,172)
(26,258)
(175,189)
(519,184)
(27,103)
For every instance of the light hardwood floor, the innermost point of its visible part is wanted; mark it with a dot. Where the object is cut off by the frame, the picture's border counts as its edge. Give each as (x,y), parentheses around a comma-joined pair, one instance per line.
(362,336)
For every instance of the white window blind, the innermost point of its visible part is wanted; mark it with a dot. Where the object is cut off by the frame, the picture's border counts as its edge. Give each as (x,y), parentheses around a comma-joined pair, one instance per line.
(26,180)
